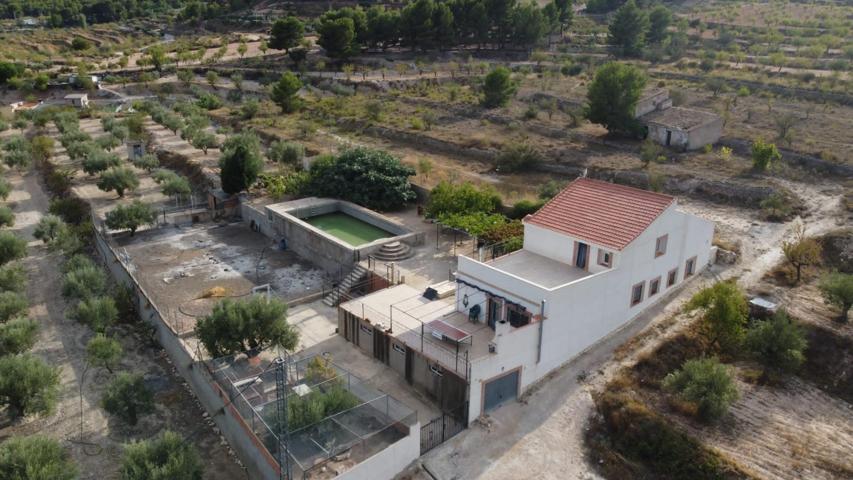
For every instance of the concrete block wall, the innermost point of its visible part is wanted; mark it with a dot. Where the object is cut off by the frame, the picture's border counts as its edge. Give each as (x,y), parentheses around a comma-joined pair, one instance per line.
(249,449)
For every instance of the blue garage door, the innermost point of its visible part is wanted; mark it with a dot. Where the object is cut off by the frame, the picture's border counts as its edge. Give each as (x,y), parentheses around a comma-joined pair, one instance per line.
(500,390)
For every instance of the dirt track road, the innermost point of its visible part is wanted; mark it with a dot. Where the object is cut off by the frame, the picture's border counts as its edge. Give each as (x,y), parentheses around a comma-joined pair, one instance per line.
(62,343)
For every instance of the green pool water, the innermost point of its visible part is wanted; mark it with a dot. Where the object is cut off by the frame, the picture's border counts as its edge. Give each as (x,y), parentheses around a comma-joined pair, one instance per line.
(349,229)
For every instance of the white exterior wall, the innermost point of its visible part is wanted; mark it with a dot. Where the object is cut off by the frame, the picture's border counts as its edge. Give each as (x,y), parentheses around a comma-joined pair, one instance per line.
(392,460)
(561,247)
(582,312)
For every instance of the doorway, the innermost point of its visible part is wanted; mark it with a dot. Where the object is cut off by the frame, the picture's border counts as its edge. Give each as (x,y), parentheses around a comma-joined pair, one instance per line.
(668,137)
(500,390)
(580,257)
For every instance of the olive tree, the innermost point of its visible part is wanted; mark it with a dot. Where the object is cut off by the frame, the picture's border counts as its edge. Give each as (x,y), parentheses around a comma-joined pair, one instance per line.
(35,457)
(28,385)
(778,343)
(128,398)
(801,251)
(13,278)
(12,247)
(84,282)
(12,304)
(130,217)
(167,456)
(724,313)
(104,352)
(246,326)
(119,179)
(17,336)
(7,217)
(96,312)
(706,383)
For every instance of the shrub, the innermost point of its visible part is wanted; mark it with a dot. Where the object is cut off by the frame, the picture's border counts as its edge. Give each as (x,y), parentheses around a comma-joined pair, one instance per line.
(707,384)
(84,282)
(11,247)
(249,109)
(104,352)
(49,228)
(724,313)
(522,208)
(778,343)
(12,304)
(764,155)
(498,88)
(12,278)
(177,186)
(78,262)
(71,209)
(465,198)
(7,217)
(28,385)
(128,398)
(550,189)
(517,158)
(130,217)
(246,325)
(776,207)
(147,162)
(285,92)
(96,312)
(166,457)
(5,189)
(837,289)
(241,162)
(17,336)
(35,458)
(99,161)
(286,152)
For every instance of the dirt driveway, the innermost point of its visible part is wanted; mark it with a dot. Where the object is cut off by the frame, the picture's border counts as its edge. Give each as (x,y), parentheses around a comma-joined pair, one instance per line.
(62,343)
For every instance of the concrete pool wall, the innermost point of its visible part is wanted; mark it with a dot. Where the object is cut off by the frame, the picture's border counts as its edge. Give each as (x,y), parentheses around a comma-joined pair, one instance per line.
(285,221)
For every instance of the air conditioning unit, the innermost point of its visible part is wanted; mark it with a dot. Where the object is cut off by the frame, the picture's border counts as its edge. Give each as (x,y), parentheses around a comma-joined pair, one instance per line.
(493,347)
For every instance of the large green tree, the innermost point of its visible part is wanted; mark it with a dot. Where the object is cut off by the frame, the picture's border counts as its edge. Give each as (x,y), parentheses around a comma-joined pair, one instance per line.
(130,217)
(286,33)
(119,179)
(498,88)
(612,98)
(128,398)
(246,326)
(628,29)
(706,383)
(724,313)
(659,20)
(337,37)
(35,458)
(241,162)
(778,343)
(371,178)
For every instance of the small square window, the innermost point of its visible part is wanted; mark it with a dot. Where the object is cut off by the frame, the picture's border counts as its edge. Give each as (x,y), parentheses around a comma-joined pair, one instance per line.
(605,259)
(671,277)
(690,267)
(660,245)
(637,293)
(654,286)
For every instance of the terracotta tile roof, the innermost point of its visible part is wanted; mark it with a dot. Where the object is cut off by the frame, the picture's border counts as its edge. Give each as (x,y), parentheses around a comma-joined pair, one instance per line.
(601,213)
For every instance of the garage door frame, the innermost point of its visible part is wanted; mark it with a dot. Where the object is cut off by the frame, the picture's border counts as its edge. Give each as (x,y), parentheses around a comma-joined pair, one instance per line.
(483,384)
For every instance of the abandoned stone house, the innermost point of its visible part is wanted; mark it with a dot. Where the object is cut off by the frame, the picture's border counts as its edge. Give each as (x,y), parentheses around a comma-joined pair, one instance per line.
(677,127)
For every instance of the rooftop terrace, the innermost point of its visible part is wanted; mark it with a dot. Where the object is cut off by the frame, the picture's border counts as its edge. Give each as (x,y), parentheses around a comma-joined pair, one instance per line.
(535,268)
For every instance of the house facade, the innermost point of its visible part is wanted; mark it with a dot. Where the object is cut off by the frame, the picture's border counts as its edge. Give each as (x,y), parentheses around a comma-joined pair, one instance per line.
(594,257)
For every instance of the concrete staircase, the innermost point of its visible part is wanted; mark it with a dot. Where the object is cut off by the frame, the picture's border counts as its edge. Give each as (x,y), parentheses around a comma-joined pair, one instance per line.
(393,252)
(344,287)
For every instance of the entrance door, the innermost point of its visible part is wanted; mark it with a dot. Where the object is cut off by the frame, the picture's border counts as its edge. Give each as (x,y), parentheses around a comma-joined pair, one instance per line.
(668,137)
(500,390)
(494,312)
(580,260)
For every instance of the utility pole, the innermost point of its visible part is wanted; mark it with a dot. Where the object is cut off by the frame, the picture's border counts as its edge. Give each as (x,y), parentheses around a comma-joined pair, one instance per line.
(281,414)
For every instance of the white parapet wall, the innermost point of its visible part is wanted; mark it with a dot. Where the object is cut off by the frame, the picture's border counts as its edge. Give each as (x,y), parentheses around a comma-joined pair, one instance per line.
(390,461)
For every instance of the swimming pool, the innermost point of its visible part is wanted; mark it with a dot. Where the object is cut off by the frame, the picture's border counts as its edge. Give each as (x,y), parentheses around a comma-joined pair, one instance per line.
(347,228)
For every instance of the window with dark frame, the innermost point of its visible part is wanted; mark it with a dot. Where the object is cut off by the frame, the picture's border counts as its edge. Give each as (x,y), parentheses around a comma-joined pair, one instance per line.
(518,316)
(654,286)
(605,258)
(637,293)
(671,277)
(689,267)
(660,245)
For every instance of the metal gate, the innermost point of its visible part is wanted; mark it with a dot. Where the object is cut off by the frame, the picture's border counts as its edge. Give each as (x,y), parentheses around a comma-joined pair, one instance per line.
(500,390)
(442,428)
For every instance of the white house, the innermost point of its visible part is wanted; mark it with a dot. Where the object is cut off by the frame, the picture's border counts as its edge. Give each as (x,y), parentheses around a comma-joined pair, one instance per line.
(79,100)
(594,257)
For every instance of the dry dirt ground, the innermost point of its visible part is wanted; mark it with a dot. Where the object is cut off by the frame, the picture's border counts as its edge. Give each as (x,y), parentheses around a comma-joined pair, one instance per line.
(542,436)
(62,343)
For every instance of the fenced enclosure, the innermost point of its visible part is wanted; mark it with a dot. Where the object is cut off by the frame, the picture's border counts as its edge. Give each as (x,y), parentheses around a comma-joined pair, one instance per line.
(331,416)
(442,428)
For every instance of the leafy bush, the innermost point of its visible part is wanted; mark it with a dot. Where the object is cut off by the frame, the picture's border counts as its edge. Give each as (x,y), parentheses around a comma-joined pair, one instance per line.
(523,208)
(12,278)
(78,262)
(35,458)
(476,224)
(17,336)
(11,247)
(28,385)
(286,152)
(98,161)
(498,88)
(146,162)
(778,343)
(72,209)
(724,313)
(96,312)
(764,155)
(5,189)
(49,228)
(246,325)
(165,457)
(128,398)
(177,186)
(372,178)
(707,384)
(12,304)
(7,217)
(84,282)
(517,158)
(104,352)
(837,289)
(447,198)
